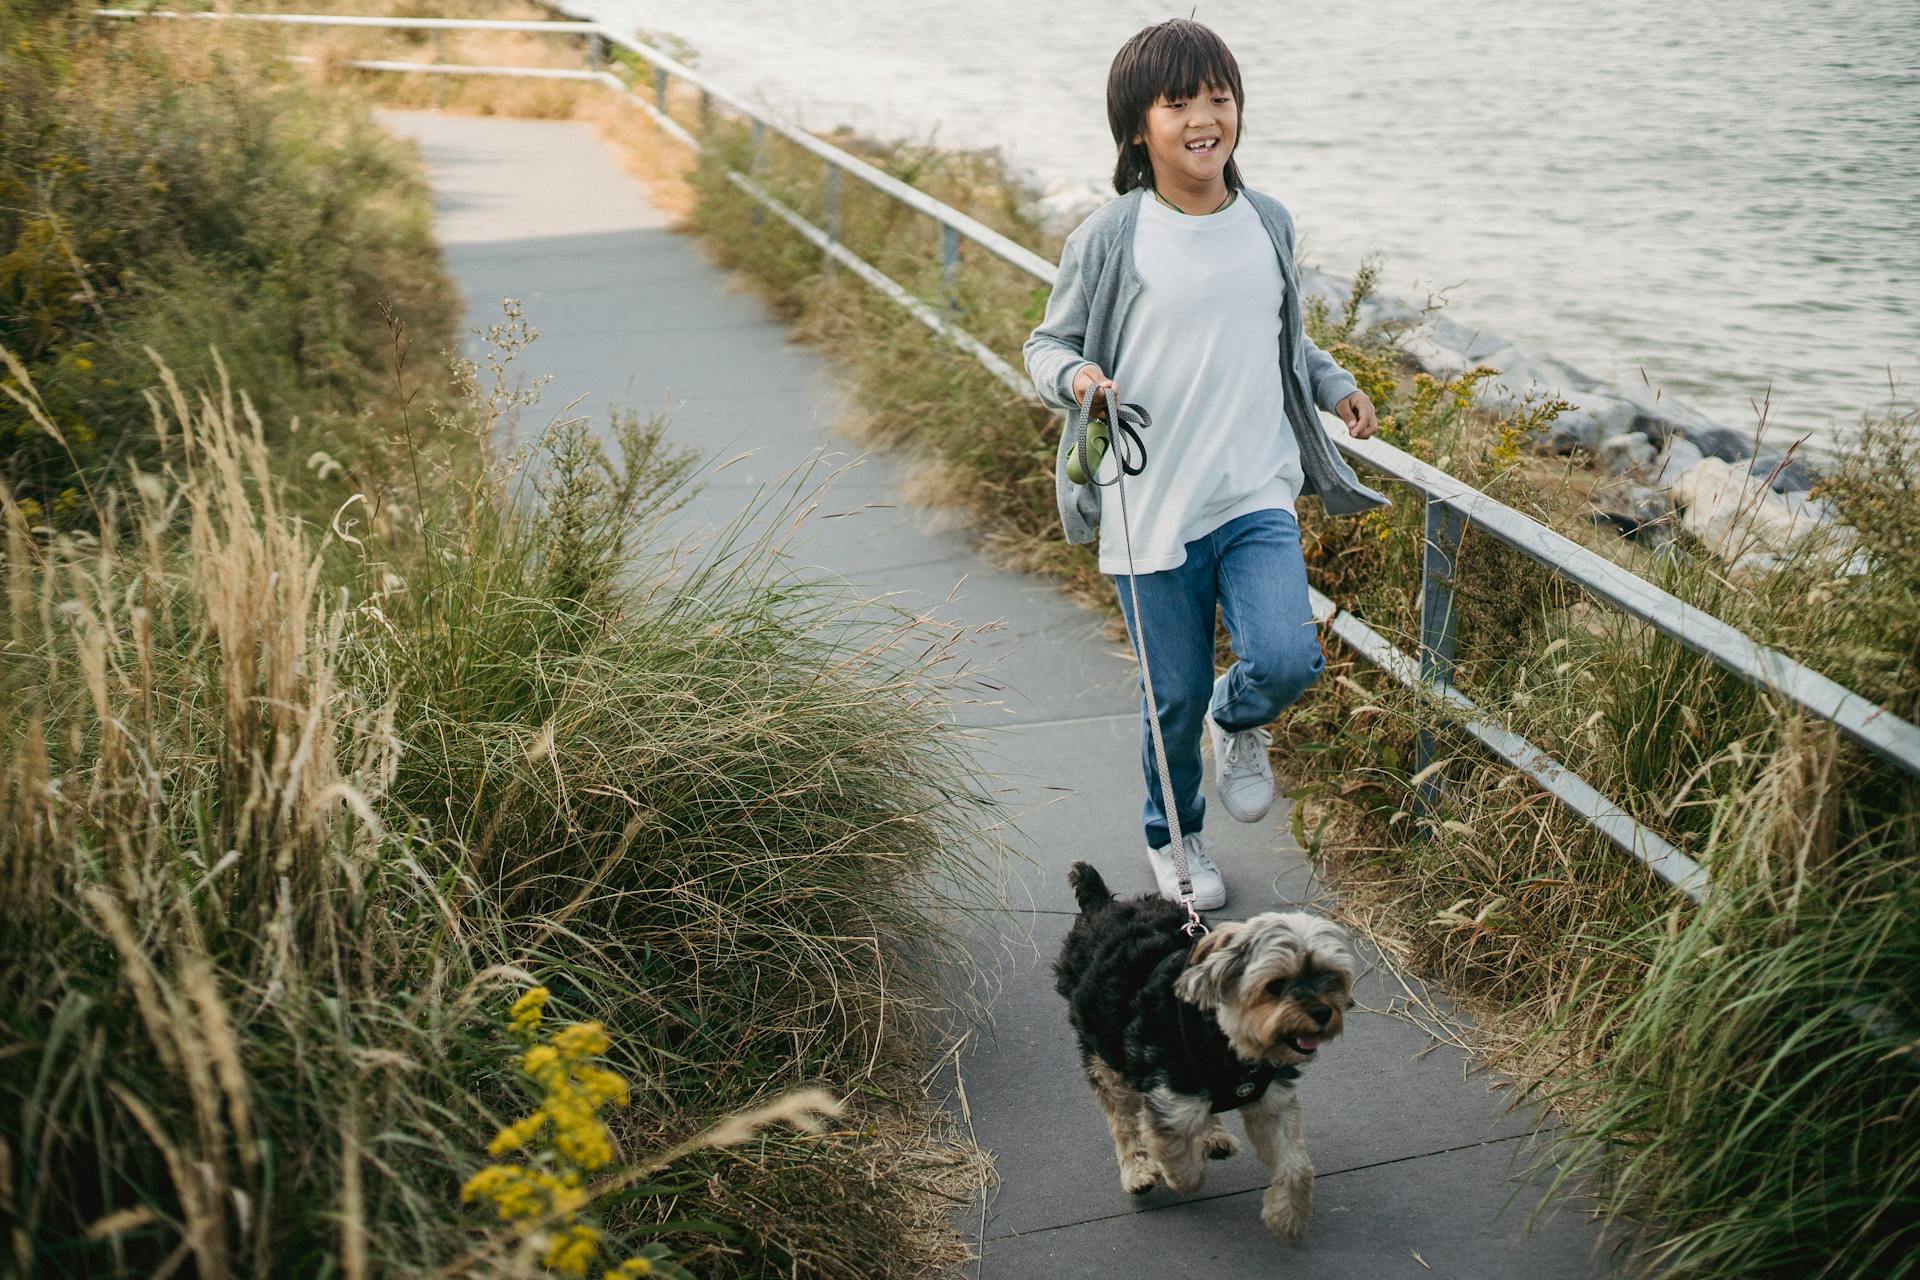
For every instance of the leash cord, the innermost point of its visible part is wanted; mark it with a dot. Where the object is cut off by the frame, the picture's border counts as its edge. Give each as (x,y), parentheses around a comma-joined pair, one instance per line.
(1125,422)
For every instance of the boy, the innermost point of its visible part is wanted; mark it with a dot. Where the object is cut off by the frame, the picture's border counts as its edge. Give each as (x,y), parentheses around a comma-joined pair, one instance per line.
(1181,295)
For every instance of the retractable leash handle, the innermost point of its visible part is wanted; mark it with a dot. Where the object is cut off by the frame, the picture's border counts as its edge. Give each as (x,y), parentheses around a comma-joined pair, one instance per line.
(1093,437)
(1128,420)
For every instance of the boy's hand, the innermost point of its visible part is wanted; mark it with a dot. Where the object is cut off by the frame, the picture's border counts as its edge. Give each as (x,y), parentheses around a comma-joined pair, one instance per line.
(1357,412)
(1089,375)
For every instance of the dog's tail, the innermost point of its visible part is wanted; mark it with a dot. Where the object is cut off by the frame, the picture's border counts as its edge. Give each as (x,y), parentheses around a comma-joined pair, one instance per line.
(1088,888)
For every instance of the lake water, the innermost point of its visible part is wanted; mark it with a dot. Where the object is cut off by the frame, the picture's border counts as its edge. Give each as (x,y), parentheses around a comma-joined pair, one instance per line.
(1722,198)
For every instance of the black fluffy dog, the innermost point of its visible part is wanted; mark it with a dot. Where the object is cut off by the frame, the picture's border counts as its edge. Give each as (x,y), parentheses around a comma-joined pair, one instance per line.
(1175,1031)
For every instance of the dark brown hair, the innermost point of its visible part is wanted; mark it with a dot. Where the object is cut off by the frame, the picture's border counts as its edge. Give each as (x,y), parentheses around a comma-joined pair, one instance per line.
(1176,60)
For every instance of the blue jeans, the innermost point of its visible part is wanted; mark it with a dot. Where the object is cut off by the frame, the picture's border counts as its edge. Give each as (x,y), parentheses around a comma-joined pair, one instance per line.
(1252,568)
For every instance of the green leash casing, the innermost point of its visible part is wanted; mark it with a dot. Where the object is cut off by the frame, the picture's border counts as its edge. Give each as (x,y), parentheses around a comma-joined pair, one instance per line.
(1096,448)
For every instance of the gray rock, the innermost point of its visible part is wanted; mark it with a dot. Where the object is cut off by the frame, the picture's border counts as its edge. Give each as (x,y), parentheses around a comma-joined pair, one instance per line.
(1789,474)
(1377,310)
(1474,344)
(1558,373)
(1441,361)
(1675,460)
(1445,348)
(1627,451)
(1805,506)
(1592,419)
(1315,283)
(1570,431)
(1636,511)
(1712,441)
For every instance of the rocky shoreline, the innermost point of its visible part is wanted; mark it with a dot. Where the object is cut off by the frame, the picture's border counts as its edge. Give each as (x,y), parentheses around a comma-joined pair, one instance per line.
(1676,469)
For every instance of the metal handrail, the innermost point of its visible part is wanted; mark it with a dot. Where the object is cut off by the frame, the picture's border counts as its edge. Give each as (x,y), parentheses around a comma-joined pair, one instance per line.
(1452,505)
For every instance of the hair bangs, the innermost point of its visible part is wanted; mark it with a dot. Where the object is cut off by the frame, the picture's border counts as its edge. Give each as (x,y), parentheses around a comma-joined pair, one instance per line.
(1176,60)
(1188,61)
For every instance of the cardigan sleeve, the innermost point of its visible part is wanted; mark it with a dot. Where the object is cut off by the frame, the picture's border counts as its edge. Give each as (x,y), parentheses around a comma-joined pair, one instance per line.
(1053,351)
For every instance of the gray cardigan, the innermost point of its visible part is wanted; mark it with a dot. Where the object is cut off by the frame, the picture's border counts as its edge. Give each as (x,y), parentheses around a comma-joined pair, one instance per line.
(1097,284)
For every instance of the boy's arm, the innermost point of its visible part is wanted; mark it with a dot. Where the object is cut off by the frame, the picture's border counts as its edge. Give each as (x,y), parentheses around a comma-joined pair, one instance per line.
(1053,351)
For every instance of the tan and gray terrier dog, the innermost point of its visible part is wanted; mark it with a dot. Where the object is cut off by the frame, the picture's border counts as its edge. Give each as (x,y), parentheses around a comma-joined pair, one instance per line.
(1175,1031)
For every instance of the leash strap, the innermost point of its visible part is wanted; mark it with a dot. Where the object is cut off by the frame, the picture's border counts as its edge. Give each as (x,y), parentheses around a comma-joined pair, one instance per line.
(1124,424)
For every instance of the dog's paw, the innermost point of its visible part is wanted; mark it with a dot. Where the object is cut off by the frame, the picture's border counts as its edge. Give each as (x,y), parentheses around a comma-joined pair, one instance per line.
(1139,1175)
(1219,1145)
(1286,1210)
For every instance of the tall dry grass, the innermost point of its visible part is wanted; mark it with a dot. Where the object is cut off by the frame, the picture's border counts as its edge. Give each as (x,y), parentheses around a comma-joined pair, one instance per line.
(287,804)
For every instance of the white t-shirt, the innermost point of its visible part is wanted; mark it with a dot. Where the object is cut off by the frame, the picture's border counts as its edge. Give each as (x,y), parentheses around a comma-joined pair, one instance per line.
(1201,352)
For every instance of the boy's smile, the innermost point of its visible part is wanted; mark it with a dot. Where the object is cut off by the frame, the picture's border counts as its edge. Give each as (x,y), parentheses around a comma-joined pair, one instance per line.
(1189,141)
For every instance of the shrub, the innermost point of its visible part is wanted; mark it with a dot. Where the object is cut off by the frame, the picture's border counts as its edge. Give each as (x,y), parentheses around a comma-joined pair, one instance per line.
(169,191)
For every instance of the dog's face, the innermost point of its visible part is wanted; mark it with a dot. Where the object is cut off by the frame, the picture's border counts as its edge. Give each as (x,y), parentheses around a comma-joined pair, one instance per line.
(1278,985)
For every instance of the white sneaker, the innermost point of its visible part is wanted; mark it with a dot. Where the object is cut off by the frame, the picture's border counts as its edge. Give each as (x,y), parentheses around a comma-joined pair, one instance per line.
(1209,890)
(1243,773)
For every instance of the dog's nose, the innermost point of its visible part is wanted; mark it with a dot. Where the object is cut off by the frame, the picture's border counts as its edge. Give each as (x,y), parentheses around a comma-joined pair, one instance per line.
(1320,1013)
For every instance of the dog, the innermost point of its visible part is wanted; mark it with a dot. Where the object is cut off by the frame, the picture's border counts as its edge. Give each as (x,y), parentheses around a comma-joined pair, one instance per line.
(1173,1032)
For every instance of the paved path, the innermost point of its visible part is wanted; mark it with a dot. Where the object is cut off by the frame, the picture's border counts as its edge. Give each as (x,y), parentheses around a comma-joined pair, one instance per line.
(1414,1157)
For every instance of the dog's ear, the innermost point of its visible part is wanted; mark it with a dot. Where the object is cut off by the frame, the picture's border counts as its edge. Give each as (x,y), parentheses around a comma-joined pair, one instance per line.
(1213,968)
(1328,945)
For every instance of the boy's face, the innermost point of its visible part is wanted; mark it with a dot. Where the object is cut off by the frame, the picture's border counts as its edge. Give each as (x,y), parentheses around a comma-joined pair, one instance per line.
(1190,140)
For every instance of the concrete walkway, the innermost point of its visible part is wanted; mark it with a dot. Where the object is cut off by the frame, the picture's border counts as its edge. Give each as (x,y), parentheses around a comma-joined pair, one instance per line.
(1415,1157)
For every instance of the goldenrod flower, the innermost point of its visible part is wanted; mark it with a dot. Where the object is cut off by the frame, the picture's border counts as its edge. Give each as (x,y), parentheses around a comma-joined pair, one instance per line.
(564,1141)
(515,1193)
(601,1086)
(540,1062)
(527,1010)
(570,1249)
(581,1040)
(518,1134)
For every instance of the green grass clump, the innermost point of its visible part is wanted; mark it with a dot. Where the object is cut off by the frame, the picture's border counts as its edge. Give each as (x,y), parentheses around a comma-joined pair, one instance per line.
(1759,1090)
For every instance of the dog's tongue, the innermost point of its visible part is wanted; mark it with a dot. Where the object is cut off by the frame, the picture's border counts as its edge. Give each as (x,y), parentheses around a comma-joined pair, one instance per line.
(1307,1044)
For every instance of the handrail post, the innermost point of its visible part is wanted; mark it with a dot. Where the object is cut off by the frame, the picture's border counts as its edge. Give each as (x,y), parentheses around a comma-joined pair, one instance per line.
(949,264)
(596,53)
(660,90)
(833,209)
(757,132)
(706,112)
(1440,553)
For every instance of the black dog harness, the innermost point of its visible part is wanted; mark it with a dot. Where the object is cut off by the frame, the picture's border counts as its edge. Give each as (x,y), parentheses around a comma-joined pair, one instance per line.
(1231,1081)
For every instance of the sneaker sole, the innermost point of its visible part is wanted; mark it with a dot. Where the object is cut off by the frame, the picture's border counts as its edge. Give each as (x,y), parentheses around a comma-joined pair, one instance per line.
(1237,816)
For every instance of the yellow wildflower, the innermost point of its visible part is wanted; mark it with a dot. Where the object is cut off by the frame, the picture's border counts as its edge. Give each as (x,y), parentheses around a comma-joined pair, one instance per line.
(527,1010)
(631,1268)
(581,1040)
(541,1062)
(570,1249)
(515,1193)
(578,1136)
(518,1134)
(601,1086)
